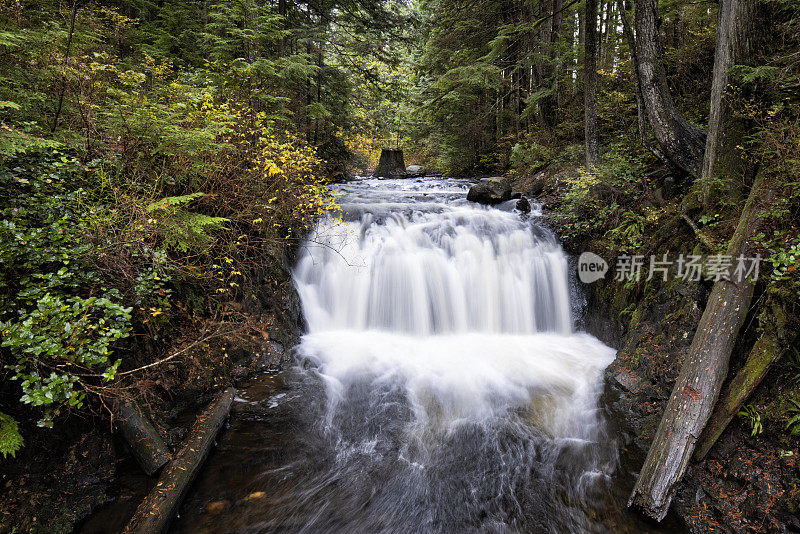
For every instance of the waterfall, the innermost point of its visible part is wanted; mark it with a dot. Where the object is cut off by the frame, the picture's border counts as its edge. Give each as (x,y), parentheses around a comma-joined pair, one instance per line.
(462,270)
(457,395)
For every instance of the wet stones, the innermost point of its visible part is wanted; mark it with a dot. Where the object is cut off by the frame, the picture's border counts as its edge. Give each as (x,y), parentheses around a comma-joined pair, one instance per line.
(490,191)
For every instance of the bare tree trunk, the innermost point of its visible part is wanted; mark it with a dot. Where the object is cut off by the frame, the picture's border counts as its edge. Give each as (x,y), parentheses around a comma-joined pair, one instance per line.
(702,374)
(680,141)
(590,85)
(578,56)
(769,348)
(641,113)
(63,87)
(733,33)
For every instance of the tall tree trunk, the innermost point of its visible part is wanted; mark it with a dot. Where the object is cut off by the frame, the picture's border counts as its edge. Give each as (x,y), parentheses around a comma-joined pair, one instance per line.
(590,85)
(544,67)
(63,88)
(641,112)
(283,26)
(702,373)
(680,141)
(734,21)
(579,56)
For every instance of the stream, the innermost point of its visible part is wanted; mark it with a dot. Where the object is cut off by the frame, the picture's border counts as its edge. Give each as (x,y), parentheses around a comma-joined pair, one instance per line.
(441,387)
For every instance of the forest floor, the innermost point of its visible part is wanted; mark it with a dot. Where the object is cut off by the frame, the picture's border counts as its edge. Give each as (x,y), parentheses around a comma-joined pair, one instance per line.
(55,485)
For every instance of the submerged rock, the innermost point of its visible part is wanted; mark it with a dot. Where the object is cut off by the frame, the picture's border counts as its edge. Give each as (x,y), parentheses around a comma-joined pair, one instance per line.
(490,191)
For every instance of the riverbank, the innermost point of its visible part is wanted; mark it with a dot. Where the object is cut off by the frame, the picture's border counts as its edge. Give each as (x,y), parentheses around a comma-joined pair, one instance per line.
(750,481)
(86,479)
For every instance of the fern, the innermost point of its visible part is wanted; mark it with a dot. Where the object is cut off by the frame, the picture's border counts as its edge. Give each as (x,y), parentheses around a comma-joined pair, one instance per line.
(183,229)
(171,202)
(10,439)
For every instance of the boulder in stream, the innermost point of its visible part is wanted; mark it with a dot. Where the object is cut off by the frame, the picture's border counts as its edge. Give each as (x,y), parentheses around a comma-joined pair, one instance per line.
(415,171)
(490,191)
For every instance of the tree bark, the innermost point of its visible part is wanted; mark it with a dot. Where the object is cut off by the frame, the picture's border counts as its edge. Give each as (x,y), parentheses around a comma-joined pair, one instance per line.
(391,164)
(734,22)
(769,348)
(590,84)
(680,141)
(157,509)
(144,441)
(641,112)
(702,373)
(63,88)
(641,119)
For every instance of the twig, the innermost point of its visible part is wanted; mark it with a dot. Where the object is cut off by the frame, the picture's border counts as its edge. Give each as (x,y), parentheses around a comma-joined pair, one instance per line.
(171,356)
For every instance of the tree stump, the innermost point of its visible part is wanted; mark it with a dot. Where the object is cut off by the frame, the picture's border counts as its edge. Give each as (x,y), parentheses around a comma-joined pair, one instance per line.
(391,164)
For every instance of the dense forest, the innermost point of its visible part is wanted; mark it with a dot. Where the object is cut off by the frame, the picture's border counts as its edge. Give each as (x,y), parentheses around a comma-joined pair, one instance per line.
(161,161)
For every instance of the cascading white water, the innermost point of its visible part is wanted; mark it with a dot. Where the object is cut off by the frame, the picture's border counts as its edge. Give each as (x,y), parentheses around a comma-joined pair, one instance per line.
(462,270)
(442,332)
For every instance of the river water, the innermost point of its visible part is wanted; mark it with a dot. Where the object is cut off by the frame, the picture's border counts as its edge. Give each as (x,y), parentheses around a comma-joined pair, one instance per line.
(441,386)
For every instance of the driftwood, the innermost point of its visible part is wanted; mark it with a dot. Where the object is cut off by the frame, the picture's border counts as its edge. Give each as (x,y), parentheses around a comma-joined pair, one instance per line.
(157,509)
(769,348)
(143,439)
(702,374)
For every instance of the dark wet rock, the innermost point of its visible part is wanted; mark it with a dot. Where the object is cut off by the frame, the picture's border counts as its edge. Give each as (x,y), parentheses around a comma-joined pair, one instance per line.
(523,205)
(537,185)
(490,191)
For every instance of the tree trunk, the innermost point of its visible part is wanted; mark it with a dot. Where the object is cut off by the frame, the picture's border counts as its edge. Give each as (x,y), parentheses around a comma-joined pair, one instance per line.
(63,88)
(769,348)
(734,21)
(641,112)
(590,85)
(157,509)
(702,374)
(680,141)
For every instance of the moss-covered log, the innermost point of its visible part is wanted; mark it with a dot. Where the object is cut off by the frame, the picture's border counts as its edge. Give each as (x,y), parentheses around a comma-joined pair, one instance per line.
(769,348)
(157,509)
(702,373)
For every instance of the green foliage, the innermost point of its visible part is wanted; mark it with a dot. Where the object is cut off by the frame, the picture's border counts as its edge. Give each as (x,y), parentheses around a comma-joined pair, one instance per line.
(58,335)
(10,439)
(753,417)
(530,157)
(183,230)
(793,425)
(608,201)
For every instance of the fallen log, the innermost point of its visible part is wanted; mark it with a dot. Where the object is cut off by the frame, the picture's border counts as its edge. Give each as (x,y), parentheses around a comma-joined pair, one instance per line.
(145,442)
(702,373)
(157,509)
(769,348)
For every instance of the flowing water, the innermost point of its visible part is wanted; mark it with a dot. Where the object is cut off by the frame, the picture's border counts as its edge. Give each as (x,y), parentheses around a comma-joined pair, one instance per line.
(441,386)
